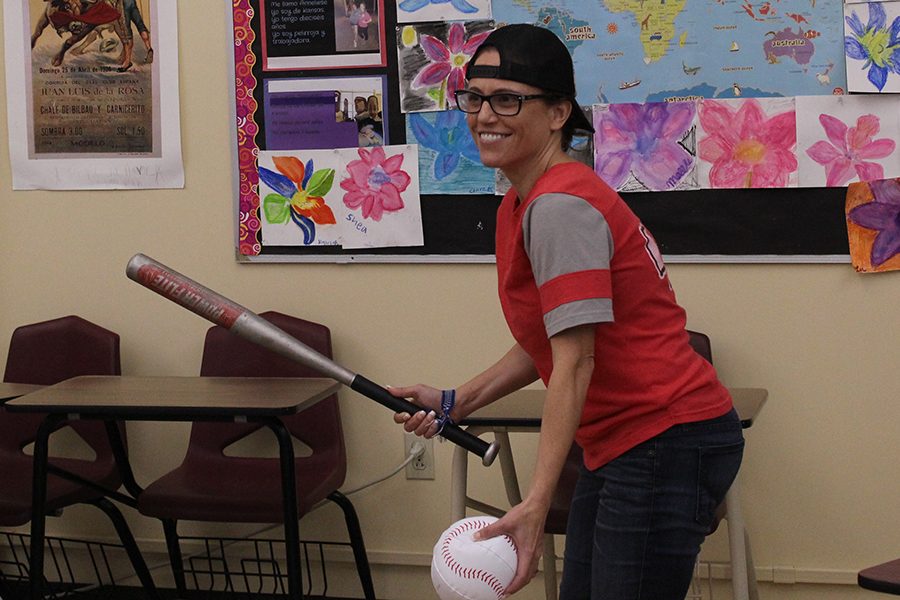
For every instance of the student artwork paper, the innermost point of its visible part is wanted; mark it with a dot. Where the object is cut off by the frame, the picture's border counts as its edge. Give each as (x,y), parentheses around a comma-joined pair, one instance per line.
(448,158)
(872,46)
(432,59)
(319,34)
(92,95)
(413,11)
(354,198)
(646,147)
(873,225)
(847,138)
(748,143)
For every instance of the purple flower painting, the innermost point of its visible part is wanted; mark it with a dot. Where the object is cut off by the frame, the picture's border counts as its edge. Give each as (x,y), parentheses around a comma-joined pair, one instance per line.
(641,147)
(873,224)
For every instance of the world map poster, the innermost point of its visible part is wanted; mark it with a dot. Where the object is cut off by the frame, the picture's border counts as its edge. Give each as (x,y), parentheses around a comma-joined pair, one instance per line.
(661,50)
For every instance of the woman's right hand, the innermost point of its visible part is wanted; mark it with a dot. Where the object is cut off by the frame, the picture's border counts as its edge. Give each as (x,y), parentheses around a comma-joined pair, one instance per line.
(422,422)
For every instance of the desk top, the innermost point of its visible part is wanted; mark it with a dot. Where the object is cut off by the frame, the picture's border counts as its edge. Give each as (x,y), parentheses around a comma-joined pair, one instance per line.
(524,407)
(176,397)
(881,578)
(14,390)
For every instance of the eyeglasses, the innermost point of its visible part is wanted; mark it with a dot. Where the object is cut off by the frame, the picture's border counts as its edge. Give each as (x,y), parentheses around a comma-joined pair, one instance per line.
(504,104)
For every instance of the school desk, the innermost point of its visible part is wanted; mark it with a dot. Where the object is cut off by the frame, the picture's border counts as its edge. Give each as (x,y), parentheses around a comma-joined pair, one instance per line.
(122,398)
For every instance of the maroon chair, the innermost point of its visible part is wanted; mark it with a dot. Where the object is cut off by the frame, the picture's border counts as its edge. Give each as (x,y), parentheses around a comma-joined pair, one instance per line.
(211,486)
(46,353)
(558,515)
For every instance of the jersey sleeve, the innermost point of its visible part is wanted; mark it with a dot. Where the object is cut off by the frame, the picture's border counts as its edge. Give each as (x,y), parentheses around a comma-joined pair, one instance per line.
(570,247)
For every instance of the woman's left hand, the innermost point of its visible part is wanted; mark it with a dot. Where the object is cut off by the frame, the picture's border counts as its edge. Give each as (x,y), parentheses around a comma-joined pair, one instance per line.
(524,523)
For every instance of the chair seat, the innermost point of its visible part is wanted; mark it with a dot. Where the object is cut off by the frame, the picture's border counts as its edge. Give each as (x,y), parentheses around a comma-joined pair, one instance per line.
(219,491)
(16,475)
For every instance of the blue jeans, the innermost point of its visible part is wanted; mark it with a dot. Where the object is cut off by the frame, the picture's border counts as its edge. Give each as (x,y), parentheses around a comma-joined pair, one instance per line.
(636,524)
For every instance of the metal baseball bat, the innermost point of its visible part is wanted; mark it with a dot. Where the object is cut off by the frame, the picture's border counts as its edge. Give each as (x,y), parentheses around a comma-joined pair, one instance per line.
(245,323)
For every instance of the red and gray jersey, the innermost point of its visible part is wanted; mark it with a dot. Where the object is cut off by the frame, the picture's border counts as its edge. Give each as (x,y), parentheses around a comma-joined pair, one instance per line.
(573,253)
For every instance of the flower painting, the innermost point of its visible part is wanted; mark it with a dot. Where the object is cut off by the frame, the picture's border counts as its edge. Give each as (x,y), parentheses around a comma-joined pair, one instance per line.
(448,159)
(432,60)
(873,225)
(748,143)
(645,147)
(872,47)
(414,11)
(298,195)
(374,183)
(352,197)
(847,139)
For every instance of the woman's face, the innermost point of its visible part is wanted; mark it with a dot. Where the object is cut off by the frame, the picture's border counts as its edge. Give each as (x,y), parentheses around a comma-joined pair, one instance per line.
(360,105)
(510,142)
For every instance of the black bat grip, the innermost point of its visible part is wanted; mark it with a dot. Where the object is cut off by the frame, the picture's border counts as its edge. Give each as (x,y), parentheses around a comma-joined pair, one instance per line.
(451,432)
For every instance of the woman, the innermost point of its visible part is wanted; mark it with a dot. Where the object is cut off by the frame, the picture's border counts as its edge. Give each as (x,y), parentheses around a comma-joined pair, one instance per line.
(587,299)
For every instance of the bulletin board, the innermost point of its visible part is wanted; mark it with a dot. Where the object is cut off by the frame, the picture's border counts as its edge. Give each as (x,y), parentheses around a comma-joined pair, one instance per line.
(800,224)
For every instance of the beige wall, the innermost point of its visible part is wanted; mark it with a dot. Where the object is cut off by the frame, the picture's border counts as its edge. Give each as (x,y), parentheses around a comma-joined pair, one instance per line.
(820,480)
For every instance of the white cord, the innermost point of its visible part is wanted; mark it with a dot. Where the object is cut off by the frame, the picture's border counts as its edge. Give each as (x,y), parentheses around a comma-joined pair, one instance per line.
(415,451)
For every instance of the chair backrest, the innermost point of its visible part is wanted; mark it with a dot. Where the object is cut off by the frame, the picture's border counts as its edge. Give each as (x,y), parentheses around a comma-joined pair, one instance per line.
(227,355)
(701,345)
(48,352)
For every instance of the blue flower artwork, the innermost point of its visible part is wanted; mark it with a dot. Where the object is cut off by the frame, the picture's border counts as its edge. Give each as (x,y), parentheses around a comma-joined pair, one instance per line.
(876,43)
(448,158)
(460,5)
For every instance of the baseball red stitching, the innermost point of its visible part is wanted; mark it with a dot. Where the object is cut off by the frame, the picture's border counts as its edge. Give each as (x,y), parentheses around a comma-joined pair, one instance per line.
(458,569)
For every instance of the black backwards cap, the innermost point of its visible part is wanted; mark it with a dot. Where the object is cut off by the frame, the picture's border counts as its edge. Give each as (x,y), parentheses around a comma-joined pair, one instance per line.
(534,56)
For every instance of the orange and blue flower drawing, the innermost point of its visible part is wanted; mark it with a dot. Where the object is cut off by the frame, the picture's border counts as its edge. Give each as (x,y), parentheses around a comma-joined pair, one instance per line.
(742,145)
(873,225)
(299,195)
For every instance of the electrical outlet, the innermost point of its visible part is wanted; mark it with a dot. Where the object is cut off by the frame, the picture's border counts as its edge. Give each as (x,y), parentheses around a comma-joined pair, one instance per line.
(421,467)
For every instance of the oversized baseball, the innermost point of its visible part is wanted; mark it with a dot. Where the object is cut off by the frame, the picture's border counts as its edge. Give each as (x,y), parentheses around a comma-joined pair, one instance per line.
(463,569)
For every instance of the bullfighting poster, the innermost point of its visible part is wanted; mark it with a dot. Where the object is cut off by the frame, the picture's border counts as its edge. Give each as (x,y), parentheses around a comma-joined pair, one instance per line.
(92,90)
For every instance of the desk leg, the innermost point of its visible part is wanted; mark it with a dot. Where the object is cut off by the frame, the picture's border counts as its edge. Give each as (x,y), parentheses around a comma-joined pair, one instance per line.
(459,483)
(291,516)
(459,475)
(736,543)
(508,468)
(38,500)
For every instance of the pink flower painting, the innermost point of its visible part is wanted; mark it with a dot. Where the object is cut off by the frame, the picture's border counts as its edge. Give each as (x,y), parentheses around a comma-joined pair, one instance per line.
(375,183)
(741,146)
(431,69)
(850,150)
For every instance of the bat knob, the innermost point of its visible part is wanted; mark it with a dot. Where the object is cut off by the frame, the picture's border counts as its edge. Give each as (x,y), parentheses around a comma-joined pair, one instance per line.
(491,453)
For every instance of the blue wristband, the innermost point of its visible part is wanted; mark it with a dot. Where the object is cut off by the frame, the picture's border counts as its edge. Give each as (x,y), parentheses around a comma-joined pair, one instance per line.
(448,401)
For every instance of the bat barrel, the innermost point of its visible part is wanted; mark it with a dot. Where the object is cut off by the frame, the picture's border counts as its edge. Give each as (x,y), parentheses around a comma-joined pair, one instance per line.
(254,328)
(247,324)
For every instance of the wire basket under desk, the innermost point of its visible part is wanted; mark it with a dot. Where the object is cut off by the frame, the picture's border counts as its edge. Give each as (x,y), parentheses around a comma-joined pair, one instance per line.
(214,569)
